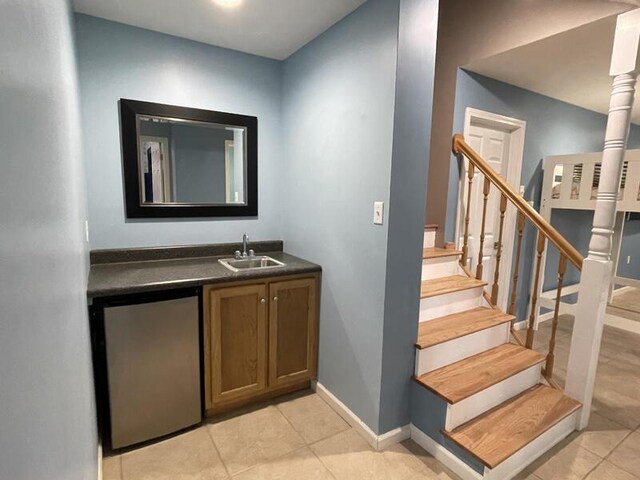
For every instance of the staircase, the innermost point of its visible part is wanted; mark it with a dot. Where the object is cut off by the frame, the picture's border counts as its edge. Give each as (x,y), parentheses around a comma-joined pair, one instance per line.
(480,404)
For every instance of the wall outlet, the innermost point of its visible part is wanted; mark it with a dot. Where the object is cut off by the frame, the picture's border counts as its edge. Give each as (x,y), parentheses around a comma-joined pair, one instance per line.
(378,213)
(86,230)
(629,260)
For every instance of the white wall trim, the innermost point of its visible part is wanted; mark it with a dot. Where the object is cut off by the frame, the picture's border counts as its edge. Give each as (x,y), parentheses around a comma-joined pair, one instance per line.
(443,455)
(378,442)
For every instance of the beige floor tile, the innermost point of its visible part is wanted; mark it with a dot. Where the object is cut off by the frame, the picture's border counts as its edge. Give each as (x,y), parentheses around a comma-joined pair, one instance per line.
(601,436)
(348,456)
(111,469)
(190,456)
(526,475)
(438,469)
(312,417)
(627,454)
(565,462)
(617,407)
(608,471)
(253,438)
(618,377)
(299,465)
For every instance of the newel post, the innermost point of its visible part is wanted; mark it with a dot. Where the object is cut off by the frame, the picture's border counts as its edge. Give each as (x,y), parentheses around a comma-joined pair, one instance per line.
(597,268)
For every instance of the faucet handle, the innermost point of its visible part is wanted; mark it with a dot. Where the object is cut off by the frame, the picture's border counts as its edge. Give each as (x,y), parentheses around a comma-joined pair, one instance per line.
(252,253)
(237,255)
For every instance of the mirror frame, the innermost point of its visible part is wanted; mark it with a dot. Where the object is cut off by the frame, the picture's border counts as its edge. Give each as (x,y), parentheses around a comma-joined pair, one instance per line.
(129,109)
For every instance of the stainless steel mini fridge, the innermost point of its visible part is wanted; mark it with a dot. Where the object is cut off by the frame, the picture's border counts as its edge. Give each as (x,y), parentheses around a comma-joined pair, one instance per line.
(152,361)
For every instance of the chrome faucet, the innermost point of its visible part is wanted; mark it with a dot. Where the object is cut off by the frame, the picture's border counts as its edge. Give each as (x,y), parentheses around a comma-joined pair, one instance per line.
(245,244)
(245,252)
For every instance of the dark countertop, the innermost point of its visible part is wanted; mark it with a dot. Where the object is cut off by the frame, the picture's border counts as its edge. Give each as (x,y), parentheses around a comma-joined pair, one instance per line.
(107,279)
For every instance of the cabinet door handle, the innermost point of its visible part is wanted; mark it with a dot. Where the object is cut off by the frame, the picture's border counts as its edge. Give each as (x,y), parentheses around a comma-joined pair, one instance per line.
(275,299)
(262,300)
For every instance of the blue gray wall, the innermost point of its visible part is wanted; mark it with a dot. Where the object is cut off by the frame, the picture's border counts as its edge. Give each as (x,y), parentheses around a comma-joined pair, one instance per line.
(410,161)
(47,414)
(118,61)
(329,148)
(553,128)
(338,118)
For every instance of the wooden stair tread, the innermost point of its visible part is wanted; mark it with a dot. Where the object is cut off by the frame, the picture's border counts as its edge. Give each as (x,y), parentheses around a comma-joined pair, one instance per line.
(499,433)
(434,252)
(443,329)
(453,283)
(472,375)
(431,226)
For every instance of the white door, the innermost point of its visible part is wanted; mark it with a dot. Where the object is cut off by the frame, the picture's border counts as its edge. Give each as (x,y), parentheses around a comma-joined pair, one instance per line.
(499,141)
(493,146)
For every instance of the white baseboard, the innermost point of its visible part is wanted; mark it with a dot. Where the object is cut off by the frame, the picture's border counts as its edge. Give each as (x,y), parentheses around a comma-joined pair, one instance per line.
(378,442)
(521,325)
(444,456)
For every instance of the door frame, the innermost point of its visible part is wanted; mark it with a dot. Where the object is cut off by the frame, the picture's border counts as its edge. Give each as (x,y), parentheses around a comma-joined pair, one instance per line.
(516,128)
(167,163)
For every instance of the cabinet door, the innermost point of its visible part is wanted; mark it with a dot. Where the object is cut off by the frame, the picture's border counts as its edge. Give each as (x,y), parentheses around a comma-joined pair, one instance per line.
(292,331)
(238,342)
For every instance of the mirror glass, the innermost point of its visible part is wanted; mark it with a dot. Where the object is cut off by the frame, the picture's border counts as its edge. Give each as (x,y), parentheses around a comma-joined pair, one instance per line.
(191,162)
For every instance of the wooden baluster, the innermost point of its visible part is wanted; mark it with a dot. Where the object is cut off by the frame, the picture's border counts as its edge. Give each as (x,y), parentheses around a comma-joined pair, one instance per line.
(516,271)
(485,193)
(562,268)
(465,246)
(534,297)
(496,273)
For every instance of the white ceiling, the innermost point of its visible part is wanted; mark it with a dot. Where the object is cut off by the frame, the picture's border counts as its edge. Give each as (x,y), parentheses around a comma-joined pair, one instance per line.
(572,66)
(269,28)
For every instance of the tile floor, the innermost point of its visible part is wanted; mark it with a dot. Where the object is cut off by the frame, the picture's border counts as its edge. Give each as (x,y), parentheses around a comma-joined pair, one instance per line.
(297,437)
(626,304)
(300,437)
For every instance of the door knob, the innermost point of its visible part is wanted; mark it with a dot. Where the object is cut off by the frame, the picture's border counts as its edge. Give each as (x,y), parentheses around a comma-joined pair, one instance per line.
(275,299)
(262,300)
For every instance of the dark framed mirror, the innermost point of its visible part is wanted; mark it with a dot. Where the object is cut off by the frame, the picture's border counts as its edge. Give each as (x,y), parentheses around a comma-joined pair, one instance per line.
(187,162)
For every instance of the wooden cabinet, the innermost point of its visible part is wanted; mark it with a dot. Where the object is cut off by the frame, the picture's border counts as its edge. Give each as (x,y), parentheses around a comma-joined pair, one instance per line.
(237,336)
(292,331)
(260,339)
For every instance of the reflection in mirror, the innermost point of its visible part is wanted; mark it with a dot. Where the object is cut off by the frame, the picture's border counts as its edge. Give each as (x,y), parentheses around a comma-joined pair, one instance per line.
(190,162)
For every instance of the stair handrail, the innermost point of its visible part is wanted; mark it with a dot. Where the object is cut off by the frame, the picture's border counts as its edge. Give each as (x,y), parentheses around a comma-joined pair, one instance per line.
(561,243)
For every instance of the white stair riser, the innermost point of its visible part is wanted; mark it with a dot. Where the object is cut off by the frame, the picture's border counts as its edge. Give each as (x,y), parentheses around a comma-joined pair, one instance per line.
(443,354)
(465,410)
(429,238)
(455,302)
(440,267)
(528,454)
(511,466)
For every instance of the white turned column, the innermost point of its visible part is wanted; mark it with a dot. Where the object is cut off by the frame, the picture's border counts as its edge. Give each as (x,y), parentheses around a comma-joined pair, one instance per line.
(615,145)
(597,268)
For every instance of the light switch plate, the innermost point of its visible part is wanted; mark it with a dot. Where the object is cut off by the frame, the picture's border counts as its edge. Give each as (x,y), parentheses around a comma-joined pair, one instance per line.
(378,213)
